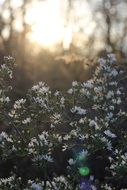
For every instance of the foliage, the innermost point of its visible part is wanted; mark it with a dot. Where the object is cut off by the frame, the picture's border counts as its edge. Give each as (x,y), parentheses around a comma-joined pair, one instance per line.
(71,141)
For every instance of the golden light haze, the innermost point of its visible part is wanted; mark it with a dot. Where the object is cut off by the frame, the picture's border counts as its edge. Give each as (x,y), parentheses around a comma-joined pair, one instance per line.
(51,26)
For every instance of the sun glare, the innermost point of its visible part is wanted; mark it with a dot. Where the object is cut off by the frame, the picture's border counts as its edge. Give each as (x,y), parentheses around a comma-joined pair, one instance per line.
(47,23)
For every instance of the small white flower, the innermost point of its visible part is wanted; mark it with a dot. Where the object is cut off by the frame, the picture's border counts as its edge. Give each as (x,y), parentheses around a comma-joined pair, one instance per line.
(98,89)
(113,83)
(64,147)
(110,134)
(83,154)
(109,116)
(71,161)
(74,83)
(35,186)
(119,101)
(88,84)
(66,137)
(26,121)
(92,123)
(78,110)
(118,92)
(102,61)
(48,158)
(7,99)
(112,58)
(81,121)
(114,73)
(3,66)
(57,93)
(110,94)
(52,126)
(56,118)
(111,107)
(62,100)
(3,135)
(18,104)
(70,91)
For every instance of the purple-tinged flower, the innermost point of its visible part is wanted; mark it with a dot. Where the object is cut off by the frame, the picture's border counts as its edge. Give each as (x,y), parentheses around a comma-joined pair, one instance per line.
(86,185)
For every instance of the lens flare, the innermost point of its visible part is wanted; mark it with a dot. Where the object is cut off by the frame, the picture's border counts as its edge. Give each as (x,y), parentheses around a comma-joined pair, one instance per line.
(84,171)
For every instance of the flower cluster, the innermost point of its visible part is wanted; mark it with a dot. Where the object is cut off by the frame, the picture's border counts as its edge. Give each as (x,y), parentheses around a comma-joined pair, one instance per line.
(71,141)
(5,75)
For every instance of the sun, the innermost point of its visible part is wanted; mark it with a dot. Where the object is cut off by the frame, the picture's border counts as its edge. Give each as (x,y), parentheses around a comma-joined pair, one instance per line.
(46,22)
(50,26)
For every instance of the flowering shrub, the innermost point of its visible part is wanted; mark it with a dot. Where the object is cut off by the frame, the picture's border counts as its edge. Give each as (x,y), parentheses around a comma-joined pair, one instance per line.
(71,141)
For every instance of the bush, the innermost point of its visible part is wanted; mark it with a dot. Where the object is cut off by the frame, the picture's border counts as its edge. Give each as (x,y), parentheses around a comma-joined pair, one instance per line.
(71,141)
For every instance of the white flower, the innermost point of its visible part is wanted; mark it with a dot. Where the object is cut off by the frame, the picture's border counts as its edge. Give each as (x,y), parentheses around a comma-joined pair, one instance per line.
(62,179)
(83,154)
(35,87)
(109,116)
(48,158)
(43,157)
(7,180)
(82,137)
(3,135)
(110,134)
(62,100)
(114,73)
(3,66)
(82,121)
(102,61)
(119,101)
(112,58)
(7,99)
(57,93)
(71,161)
(111,107)
(74,133)
(26,121)
(66,137)
(107,187)
(52,126)
(74,83)
(58,137)
(118,92)
(35,186)
(93,187)
(98,89)
(56,118)
(92,123)
(64,147)
(18,104)
(88,84)
(70,91)
(4,99)
(110,94)
(125,155)
(109,145)
(114,83)
(78,110)
(41,88)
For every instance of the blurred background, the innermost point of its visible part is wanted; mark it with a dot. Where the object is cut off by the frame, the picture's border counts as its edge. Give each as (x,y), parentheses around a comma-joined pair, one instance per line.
(58,41)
